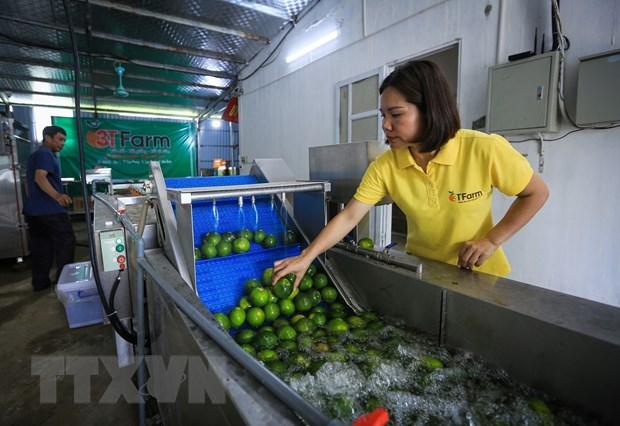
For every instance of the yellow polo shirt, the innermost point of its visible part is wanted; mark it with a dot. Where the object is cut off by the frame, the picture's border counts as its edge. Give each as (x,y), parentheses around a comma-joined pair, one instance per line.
(451,202)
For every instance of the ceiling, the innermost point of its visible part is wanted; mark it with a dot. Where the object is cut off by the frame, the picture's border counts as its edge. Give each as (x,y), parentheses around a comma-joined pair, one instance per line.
(177,54)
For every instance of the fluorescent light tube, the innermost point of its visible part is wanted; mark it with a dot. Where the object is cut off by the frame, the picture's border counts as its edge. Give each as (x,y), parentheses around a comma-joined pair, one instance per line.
(312,46)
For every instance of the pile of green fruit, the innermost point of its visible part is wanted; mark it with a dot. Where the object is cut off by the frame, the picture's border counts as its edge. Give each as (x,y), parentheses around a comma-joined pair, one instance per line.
(348,364)
(215,244)
(279,325)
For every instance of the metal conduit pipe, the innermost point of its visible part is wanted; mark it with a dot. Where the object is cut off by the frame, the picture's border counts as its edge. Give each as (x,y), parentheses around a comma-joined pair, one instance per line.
(199,313)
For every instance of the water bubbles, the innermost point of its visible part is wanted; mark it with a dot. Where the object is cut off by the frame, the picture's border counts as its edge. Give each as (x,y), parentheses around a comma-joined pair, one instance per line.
(388,375)
(340,378)
(418,383)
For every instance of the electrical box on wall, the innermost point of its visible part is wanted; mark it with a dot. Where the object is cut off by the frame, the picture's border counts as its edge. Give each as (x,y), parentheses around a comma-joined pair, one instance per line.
(523,95)
(598,89)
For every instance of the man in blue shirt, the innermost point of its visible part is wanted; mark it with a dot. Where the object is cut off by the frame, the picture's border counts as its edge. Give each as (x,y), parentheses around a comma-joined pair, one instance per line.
(49,225)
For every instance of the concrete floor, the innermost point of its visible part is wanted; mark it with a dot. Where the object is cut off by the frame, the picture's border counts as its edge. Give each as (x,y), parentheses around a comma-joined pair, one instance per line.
(34,324)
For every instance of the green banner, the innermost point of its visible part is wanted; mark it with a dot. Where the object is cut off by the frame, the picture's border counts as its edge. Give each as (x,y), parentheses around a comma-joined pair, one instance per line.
(127,147)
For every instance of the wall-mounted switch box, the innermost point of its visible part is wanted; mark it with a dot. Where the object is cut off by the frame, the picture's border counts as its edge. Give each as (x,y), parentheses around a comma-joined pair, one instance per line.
(523,95)
(598,89)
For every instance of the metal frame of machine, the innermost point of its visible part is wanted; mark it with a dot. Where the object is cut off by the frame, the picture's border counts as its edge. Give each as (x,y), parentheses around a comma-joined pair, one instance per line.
(13,234)
(563,345)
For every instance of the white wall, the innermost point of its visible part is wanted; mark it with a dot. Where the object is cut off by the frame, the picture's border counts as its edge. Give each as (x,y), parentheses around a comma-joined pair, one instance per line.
(573,244)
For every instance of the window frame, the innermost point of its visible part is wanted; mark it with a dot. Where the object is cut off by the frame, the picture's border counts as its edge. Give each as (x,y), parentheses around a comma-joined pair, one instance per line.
(380,72)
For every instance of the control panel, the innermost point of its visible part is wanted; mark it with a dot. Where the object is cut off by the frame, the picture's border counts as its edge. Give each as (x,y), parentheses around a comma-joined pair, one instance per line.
(113,253)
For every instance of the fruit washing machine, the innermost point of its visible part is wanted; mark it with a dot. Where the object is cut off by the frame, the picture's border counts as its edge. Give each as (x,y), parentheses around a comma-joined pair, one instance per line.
(562,345)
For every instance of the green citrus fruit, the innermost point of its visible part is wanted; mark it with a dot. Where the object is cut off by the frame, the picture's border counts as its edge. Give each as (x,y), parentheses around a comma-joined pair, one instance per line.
(222,320)
(337,307)
(300,359)
(259,236)
(315,296)
(320,347)
(356,322)
(249,349)
(318,318)
(255,317)
(224,248)
(283,288)
(229,237)
(267,274)
(272,297)
(541,408)
(304,342)
(369,316)
(337,326)
(287,333)
(304,325)
(320,280)
(212,238)
(334,339)
(266,328)
(329,294)
(270,241)
(306,283)
(297,318)
(311,270)
(432,363)
(259,297)
(366,243)
(287,307)
(272,311)
(237,317)
(294,293)
(320,309)
(244,303)
(251,284)
(266,340)
(341,405)
(303,302)
(267,355)
(280,322)
(197,254)
(359,334)
(208,251)
(245,336)
(241,245)
(319,333)
(288,345)
(337,313)
(277,367)
(290,237)
(246,233)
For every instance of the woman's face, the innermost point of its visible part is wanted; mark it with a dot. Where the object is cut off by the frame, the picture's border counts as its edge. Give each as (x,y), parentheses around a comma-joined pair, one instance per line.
(402,120)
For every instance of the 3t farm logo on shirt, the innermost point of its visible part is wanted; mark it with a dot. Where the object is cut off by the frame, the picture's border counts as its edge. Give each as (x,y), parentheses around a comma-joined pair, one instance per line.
(464,197)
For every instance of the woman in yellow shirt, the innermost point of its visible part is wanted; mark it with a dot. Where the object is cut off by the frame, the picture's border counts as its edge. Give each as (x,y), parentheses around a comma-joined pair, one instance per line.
(442,177)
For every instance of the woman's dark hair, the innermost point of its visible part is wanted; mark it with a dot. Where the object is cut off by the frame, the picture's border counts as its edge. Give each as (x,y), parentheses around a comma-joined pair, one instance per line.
(52,130)
(423,84)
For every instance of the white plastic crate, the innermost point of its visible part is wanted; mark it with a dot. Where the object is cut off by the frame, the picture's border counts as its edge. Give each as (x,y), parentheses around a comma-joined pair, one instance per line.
(77,291)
